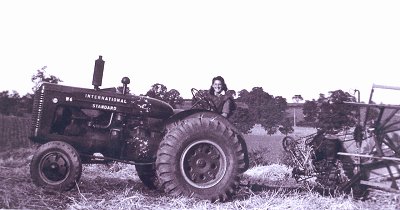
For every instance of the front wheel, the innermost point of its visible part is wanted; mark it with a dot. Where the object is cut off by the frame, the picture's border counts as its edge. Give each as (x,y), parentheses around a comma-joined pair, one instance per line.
(201,158)
(56,165)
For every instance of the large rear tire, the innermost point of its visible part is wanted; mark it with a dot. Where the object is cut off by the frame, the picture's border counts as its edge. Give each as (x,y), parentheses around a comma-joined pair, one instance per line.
(147,174)
(200,158)
(56,166)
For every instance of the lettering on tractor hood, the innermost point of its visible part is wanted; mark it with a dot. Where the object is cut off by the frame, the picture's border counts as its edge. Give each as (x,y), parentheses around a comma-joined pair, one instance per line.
(106,98)
(103,106)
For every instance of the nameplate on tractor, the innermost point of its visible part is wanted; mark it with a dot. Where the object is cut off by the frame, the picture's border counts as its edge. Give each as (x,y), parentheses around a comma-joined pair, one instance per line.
(106,98)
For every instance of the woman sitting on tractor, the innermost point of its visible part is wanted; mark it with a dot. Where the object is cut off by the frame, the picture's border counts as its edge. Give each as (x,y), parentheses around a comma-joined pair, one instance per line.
(223,102)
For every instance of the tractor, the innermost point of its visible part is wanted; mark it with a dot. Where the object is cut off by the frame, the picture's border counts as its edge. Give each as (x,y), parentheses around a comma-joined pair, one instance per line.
(194,152)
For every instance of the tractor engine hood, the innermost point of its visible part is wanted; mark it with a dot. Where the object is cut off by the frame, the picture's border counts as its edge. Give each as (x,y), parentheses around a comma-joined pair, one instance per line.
(153,107)
(106,101)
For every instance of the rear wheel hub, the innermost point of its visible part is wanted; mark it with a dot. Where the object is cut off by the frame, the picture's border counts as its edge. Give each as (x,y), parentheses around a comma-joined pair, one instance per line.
(203,164)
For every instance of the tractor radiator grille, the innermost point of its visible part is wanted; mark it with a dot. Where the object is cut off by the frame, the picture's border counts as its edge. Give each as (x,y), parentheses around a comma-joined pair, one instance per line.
(37,111)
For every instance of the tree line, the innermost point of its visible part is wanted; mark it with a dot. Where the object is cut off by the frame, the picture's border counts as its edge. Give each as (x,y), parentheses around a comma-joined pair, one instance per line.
(332,112)
(326,112)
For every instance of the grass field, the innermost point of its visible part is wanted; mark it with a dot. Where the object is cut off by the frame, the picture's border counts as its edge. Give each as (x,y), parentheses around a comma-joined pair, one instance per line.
(265,149)
(117,186)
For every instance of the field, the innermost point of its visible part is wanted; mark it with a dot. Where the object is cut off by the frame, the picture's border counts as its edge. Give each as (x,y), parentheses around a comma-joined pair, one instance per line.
(116,186)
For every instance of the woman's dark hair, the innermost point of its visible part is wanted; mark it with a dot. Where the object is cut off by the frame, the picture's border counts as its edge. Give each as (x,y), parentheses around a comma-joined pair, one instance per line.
(224,87)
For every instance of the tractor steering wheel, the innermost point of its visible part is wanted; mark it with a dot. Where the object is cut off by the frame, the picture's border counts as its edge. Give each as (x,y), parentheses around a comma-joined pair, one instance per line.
(202,100)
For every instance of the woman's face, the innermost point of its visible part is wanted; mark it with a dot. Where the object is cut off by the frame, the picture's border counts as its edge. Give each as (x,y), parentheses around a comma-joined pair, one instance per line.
(217,85)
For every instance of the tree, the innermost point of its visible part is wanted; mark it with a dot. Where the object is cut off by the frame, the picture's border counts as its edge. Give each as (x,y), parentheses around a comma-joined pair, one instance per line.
(335,114)
(296,98)
(26,103)
(329,113)
(243,94)
(286,127)
(41,76)
(173,97)
(231,93)
(242,119)
(157,91)
(160,91)
(310,112)
(9,103)
(264,109)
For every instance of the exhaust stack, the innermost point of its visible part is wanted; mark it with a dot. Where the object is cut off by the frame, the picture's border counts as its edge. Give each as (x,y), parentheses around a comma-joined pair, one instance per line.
(98,73)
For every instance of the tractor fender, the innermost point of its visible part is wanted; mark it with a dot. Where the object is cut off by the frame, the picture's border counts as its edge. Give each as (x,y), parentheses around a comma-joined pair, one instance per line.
(191,113)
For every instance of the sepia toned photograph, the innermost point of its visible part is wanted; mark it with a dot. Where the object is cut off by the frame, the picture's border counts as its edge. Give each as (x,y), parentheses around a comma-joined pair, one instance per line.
(200,104)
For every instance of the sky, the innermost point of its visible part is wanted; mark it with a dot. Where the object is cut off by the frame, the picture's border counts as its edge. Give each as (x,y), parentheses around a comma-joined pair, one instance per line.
(285,47)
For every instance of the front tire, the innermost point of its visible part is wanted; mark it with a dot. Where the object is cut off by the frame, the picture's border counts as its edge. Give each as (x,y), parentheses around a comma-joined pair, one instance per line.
(200,158)
(56,166)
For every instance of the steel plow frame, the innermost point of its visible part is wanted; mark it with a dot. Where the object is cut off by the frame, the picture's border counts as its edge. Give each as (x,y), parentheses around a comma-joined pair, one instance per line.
(385,154)
(376,152)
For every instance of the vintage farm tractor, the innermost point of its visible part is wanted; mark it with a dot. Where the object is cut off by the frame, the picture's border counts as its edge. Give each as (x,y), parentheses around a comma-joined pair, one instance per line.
(194,152)
(353,160)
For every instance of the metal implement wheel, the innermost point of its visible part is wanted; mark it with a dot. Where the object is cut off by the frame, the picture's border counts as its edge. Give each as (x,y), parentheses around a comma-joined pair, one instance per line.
(56,165)
(288,143)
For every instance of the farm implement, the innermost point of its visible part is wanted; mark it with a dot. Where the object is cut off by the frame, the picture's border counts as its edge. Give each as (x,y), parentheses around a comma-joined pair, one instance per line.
(352,160)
